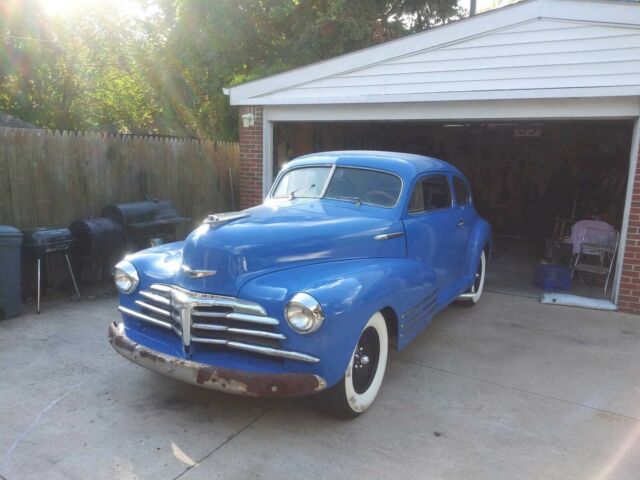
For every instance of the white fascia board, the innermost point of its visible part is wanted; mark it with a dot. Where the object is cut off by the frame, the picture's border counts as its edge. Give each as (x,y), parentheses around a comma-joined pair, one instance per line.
(566,108)
(624,91)
(452,32)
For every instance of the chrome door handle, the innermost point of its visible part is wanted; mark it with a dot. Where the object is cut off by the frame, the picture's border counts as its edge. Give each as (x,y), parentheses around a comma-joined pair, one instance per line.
(460,223)
(387,236)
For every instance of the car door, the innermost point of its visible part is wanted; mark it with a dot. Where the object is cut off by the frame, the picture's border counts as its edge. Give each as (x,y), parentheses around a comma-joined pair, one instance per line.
(431,225)
(466,216)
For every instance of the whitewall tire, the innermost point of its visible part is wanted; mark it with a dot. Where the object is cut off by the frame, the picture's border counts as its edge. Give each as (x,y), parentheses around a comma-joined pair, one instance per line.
(473,294)
(358,388)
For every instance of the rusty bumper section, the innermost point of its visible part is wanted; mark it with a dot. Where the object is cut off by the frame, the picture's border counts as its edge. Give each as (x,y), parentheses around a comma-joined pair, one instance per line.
(216,378)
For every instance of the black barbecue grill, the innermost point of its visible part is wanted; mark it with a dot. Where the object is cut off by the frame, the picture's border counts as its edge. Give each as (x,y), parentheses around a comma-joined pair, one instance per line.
(145,223)
(97,236)
(100,243)
(41,242)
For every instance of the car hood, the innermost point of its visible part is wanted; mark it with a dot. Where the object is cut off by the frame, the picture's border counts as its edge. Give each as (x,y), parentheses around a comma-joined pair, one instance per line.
(221,257)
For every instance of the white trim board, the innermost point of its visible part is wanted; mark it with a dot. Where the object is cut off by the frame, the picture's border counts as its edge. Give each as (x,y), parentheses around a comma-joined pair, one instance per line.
(633,161)
(566,108)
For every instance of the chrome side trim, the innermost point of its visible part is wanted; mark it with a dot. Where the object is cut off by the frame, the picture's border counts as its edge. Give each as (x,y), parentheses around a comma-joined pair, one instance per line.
(210,326)
(158,287)
(241,331)
(273,352)
(243,317)
(213,341)
(387,236)
(153,308)
(144,317)
(156,298)
(197,273)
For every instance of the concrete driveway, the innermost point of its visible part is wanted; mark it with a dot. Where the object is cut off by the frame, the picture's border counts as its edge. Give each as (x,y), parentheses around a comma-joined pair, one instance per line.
(509,389)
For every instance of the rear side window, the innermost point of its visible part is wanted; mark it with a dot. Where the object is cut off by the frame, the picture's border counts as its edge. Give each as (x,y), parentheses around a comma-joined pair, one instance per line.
(429,194)
(461,190)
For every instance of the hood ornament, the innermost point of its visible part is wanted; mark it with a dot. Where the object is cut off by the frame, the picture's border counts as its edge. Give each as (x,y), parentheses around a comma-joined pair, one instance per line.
(224,217)
(198,273)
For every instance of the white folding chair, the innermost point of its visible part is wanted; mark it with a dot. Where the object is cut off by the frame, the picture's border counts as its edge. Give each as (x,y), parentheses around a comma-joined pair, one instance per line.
(596,256)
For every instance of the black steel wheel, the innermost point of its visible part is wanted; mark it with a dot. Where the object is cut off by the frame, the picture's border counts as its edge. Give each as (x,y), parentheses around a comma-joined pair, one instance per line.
(357,389)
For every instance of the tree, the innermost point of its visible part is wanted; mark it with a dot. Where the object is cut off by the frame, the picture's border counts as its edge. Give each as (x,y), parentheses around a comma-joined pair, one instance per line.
(164,72)
(74,73)
(222,43)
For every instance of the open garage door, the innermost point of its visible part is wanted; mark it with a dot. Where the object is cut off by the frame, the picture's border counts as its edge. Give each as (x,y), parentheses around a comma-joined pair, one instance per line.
(533,181)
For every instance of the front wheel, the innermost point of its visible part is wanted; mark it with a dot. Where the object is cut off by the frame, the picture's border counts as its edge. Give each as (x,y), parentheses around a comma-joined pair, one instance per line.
(472,296)
(357,389)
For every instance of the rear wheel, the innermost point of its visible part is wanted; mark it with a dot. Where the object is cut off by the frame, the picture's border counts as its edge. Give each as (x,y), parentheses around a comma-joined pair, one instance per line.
(473,294)
(359,386)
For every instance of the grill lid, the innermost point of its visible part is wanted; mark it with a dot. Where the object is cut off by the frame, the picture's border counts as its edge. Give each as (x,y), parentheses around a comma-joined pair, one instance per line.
(143,214)
(44,236)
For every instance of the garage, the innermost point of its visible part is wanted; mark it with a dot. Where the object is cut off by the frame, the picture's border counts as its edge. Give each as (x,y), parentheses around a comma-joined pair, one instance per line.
(537,103)
(530,180)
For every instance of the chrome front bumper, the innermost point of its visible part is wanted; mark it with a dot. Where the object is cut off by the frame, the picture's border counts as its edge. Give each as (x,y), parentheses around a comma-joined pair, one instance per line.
(228,380)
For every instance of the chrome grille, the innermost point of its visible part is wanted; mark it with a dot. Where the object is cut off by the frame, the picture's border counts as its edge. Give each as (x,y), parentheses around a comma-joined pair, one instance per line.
(213,320)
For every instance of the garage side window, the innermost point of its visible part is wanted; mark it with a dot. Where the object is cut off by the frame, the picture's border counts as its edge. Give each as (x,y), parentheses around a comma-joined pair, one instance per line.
(429,194)
(461,190)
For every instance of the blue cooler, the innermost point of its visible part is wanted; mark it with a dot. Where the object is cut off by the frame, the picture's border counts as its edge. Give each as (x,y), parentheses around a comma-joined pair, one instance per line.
(552,278)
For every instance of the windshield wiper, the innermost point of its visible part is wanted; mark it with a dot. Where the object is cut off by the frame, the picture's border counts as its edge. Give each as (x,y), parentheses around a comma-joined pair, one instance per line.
(304,189)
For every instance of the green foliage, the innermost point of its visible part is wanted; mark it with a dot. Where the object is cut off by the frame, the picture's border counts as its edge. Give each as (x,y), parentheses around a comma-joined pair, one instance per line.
(164,72)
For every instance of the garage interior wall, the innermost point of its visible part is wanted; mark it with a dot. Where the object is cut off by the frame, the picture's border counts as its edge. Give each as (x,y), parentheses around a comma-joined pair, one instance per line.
(524,175)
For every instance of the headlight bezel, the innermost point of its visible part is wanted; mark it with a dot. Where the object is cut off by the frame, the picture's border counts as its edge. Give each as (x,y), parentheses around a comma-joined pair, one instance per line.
(129,273)
(303,303)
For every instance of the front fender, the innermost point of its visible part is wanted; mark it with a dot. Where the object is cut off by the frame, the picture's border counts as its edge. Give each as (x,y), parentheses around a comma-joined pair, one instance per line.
(350,292)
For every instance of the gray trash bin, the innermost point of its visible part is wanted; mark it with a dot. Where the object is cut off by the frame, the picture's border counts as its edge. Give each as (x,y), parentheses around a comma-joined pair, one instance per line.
(10,243)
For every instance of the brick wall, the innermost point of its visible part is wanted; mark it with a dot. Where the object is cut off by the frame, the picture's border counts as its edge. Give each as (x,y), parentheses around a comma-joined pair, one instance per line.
(251,159)
(629,295)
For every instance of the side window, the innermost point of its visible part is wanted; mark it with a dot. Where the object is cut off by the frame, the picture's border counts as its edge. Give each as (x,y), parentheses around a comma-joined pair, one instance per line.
(461,190)
(431,193)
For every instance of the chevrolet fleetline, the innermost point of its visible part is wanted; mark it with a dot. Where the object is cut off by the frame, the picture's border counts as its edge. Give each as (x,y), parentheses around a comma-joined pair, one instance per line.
(352,253)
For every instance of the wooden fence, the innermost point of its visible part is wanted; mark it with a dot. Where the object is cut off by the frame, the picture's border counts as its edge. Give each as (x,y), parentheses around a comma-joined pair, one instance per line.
(53,177)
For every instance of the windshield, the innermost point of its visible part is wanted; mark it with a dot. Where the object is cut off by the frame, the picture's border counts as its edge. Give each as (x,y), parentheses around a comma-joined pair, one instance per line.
(302,182)
(366,186)
(347,183)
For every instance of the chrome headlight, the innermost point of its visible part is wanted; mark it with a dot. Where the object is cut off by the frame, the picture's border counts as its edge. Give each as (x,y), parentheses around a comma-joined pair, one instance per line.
(304,313)
(125,276)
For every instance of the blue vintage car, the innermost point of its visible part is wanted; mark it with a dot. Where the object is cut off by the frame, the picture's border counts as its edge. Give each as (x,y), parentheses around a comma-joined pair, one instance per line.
(350,253)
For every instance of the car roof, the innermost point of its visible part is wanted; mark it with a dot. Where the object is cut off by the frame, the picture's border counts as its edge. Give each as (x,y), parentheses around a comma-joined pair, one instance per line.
(406,165)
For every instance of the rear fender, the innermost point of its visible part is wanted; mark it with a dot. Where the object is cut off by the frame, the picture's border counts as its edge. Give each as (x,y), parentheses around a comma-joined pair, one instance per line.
(350,292)
(481,239)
